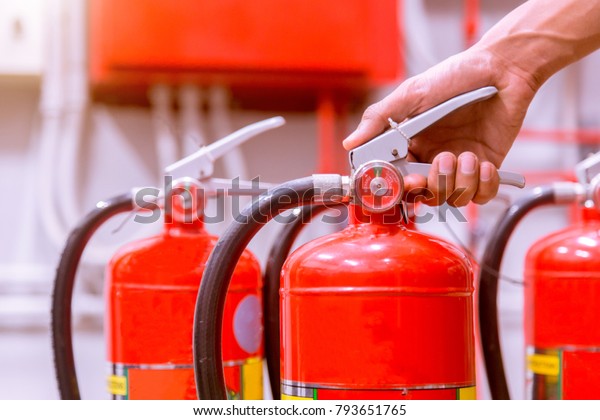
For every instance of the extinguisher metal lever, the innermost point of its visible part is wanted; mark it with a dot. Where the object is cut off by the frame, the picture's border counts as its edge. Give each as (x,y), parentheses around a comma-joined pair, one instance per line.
(200,164)
(589,169)
(198,167)
(392,146)
(415,125)
(237,187)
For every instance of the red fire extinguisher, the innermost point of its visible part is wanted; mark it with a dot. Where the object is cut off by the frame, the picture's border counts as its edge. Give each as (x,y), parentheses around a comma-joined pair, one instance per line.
(152,286)
(376,311)
(562,295)
(338,215)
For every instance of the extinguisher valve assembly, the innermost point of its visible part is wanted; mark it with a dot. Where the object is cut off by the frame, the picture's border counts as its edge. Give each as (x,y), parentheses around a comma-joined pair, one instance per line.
(392,146)
(198,168)
(379,165)
(331,188)
(201,163)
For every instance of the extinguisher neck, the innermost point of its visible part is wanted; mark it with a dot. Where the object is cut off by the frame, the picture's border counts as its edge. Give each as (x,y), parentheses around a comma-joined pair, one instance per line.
(357,215)
(589,213)
(176,225)
(184,208)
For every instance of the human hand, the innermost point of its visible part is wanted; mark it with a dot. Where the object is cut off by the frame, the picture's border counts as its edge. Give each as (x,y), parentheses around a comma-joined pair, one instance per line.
(467,146)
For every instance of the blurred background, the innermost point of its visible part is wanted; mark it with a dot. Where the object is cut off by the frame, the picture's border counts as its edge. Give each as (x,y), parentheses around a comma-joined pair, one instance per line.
(98,96)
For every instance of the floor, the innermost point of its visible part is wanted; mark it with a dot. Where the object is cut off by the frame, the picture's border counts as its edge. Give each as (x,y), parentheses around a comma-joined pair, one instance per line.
(27,369)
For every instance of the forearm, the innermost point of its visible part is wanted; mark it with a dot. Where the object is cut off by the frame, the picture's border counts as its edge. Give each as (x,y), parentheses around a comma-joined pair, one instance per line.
(542,36)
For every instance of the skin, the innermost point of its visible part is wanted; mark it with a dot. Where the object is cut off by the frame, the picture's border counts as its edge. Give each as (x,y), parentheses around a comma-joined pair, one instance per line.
(516,56)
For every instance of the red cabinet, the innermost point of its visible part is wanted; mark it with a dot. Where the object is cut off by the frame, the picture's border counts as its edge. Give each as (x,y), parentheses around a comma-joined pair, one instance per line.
(258,43)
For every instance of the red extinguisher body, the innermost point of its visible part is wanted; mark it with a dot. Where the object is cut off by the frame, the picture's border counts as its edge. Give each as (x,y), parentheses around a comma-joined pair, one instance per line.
(151,291)
(377,311)
(562,313)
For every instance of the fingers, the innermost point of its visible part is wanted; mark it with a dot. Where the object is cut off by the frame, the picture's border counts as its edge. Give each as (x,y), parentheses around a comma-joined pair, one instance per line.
(456,181)
(441,178)
(466,181)
(489,182)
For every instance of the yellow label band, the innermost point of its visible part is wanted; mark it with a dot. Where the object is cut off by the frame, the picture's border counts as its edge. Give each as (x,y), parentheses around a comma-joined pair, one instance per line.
(544,364)
(293,397)
(295,391)
(469,393)
(117,385)
(252,379)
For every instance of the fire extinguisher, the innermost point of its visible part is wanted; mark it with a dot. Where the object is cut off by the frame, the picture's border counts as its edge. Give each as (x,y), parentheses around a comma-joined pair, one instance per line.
(152,284)
(562,294)
(375,311)
(277,256)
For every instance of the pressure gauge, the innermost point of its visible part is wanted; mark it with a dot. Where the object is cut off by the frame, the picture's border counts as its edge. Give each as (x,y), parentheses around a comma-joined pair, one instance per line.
(378,186)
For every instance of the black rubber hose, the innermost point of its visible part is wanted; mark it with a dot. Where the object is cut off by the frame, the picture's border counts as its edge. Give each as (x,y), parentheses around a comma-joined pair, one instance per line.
(208,317)
(279,253)
(62,341)
(488,287)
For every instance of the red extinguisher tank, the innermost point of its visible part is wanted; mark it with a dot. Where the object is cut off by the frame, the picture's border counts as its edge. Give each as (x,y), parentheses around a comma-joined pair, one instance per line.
(152,285)
(562,312)
(377,311)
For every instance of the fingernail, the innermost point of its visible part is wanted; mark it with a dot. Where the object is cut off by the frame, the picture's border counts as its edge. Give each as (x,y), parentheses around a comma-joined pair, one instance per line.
(467,164)
(349,142)
(486,172)
(446,165)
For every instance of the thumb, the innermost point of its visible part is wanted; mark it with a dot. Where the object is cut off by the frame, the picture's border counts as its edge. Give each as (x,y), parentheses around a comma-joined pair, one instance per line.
(375,118)
(373,122)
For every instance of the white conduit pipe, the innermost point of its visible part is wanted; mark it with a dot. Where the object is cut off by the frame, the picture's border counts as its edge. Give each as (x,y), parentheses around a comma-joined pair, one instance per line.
(162,118)
(234,164)
(76,112)
(190,119)
(51,111)
(25,242)
(61,131)
(220,119)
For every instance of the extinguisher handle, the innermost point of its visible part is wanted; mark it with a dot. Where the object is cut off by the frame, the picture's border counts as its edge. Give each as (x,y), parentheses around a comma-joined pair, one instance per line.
(588,169)
(392,145)
(200,163)
(415,125)
(511,178)
(236,186)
